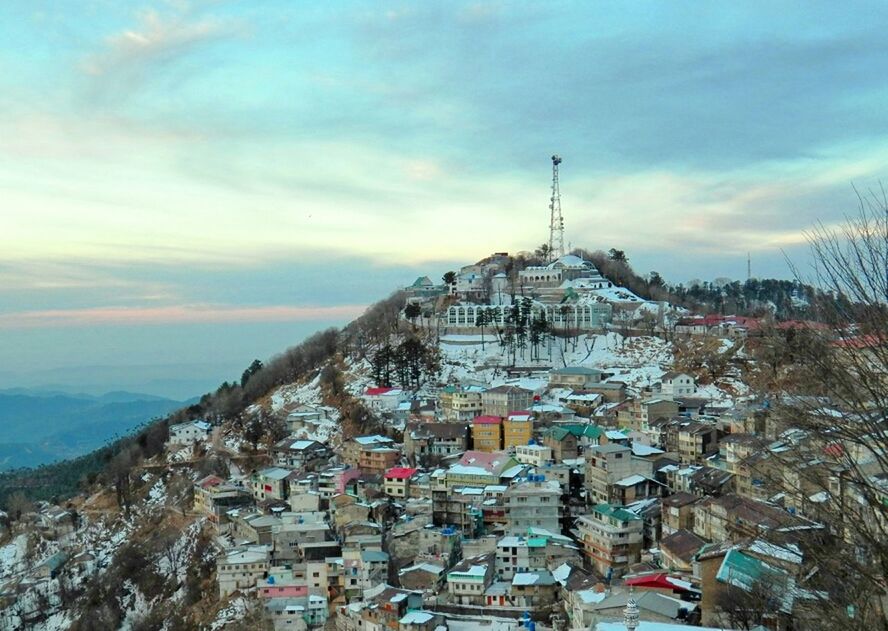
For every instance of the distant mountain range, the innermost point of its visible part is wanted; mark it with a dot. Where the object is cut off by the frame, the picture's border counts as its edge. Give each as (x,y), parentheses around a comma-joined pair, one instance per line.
(43,426)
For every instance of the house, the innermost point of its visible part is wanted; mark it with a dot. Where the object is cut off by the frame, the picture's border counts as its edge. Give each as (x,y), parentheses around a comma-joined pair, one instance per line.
(469,579)
(637,414)
(305,417)
(383,399)
(240,569)
(533,589)
(677,384)
(270,483)
(678,512)
(574,377)
(677,550)
(612,538)
(501,400)
(517,429)
(437,440)
(295,454)
(533,504)
(610,464)
(562,442)
(480,469)
(461,403)
(213,497)
(397,481)
(487,433)
(696,442)
(422,576)
(188,432)
(536,455)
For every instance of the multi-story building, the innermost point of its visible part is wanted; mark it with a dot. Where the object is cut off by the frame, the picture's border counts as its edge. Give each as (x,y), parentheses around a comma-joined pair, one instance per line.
(611,468)
(637,414)
(517,429)
(696,442)
(352,449)
(270,483)
(213,497)
(612,538)
(397,482)
(562,442)
(467,582)
(437,440)
(487,433)
(534,504)
(379,459)
(678,512)
(536,455)
(461,403)
(241,568)
(501,400)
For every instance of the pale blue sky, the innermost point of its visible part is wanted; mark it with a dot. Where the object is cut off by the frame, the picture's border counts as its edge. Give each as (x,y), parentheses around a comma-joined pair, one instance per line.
(204,182)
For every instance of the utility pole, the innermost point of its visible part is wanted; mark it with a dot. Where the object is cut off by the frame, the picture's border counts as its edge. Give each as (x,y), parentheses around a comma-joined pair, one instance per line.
(556,221)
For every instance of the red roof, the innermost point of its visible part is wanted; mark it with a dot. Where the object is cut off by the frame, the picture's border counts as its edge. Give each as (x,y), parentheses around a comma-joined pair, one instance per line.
(372,392)
(656,581)
(400,473)
(487,420)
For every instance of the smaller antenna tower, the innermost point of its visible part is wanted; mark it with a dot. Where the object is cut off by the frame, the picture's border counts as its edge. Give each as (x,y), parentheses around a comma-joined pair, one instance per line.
(556,221)
(748,266)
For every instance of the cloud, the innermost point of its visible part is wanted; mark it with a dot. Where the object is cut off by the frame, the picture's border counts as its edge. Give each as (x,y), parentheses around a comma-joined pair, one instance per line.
(175,314)
(133,57)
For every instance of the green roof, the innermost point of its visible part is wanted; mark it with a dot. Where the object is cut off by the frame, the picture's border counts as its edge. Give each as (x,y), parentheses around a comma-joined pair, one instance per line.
(617,512)
(745,572)
(579,430)
(537,542)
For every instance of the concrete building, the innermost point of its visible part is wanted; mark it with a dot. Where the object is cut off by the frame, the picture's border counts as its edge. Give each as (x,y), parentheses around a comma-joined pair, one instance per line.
(534,504)
(487,433)
(610,464)
(240,569)
(517,429)
(501,400)
(574,377)
(612,538)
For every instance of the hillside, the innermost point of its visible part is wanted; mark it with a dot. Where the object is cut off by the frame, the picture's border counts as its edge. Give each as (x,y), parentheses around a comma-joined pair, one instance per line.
(146,557)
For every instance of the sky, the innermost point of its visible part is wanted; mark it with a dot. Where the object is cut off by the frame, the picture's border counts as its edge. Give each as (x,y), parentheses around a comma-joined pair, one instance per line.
(186,185)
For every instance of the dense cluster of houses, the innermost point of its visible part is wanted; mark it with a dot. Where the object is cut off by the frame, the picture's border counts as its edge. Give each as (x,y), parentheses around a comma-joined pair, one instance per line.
(571,502)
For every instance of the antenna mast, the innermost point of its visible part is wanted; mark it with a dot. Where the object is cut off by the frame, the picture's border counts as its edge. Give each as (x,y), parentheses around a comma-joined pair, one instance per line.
(556,221)
(748,266)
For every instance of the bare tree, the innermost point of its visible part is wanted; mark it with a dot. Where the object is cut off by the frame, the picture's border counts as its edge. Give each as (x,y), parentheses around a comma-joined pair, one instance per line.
(829,405)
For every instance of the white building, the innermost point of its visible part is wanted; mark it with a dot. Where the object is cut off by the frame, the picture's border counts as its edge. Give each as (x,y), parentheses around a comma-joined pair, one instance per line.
(241,568)
(188,433)
(536,455)
(677,384)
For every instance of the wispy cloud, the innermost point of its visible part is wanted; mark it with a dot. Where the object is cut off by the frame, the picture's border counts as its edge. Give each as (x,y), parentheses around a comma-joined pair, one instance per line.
(176,314)
(130,58)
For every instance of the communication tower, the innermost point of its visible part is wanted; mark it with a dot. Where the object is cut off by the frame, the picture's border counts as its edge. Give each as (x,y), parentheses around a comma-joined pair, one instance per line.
(556,221)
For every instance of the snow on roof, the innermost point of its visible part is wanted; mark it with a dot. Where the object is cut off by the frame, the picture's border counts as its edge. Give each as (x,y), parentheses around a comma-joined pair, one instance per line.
(645,450)
(299,445)
(275,473)
(370,440)
(416,617)
(525,578)
(632,480)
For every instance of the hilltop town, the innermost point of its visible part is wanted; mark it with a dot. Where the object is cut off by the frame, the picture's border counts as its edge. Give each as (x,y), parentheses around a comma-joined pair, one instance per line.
(522,444)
